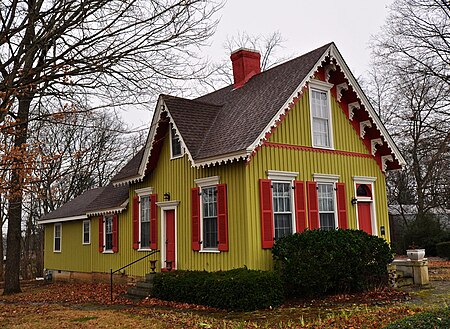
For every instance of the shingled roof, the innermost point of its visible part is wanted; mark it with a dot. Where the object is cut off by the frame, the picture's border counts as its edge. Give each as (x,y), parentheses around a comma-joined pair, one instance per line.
(94,201)
(230,123)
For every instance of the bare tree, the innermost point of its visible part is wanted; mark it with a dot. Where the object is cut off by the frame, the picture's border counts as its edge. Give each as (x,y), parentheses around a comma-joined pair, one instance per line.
(410,88)
(105,52)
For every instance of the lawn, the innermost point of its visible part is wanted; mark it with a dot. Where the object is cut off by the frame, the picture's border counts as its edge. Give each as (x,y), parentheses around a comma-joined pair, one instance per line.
(87,305)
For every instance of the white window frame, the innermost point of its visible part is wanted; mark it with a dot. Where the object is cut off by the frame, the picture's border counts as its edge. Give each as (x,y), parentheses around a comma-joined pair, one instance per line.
(173,156)
(143,192)
(367,180)
(83,232)
(329,179)
(203,183)
(108,251)
(54,237)
(321,86)
(277,176)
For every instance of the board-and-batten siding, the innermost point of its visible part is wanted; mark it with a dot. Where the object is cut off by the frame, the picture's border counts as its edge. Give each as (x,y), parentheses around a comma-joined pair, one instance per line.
(278,156)
(244,227)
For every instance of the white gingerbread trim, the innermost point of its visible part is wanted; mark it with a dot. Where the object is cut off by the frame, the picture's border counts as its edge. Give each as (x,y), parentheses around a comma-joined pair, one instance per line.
(330,67)
(362,126)
(339,89)
(351,108)
(384,160)
(374,143)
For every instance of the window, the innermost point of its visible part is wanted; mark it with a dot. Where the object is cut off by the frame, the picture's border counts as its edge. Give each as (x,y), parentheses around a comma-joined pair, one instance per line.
(57,237)
(108,233)
(145,222)
(209,215)
(209,218)
(320,114)
(86,232)
(325,193)
(175,144)
(282,208)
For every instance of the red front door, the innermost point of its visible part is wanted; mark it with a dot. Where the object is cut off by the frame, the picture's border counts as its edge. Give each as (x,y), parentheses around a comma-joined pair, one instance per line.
(365,216)
(170,237)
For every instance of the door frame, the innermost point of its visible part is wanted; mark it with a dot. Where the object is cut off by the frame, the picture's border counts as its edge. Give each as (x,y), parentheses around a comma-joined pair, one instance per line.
(165,206)
(370,182)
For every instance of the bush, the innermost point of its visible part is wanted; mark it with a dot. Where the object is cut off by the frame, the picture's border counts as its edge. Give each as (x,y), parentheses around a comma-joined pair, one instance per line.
(427,320)
(443,249)
(238,289)
(318,262)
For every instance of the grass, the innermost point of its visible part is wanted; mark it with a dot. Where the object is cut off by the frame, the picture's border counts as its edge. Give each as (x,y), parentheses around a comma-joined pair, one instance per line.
(86,305)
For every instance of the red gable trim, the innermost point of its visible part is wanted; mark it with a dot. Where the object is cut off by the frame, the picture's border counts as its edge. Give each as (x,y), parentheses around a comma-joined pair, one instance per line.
(312,149)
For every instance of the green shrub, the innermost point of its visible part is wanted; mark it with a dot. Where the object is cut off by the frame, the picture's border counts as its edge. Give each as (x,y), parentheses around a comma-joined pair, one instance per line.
(239,289)
(427,320)
(443,249)
(318,262)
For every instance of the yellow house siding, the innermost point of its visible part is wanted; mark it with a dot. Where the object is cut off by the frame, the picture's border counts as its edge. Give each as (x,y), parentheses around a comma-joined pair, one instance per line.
(295,129)
(74,256)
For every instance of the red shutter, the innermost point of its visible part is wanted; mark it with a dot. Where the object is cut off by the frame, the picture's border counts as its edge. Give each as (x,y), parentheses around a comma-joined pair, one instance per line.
(222,217)
(153,222)
(100,233)
(342,205)
(300,206)
(313,206)
(266,204)
(195,218)
(115,236)
(135,222)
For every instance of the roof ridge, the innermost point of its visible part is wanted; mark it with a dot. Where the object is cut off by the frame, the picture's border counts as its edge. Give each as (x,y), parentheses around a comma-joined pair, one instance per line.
(192,100)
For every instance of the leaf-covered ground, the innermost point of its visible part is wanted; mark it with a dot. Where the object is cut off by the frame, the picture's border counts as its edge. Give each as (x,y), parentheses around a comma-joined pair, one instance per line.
(87,305)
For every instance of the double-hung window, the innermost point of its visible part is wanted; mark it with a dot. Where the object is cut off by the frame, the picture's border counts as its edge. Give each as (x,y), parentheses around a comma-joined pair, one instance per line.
(209,217)
(145,222)
(108,233)
(282,208)
(86,232)
(327,209)
(57,234)
(321,125)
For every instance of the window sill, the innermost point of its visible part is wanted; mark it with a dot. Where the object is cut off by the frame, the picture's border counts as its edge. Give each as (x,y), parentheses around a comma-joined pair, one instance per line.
(57,251)
(176,157)
(144,249)
(86,243)
(212,251)
(108,252)
(323,147)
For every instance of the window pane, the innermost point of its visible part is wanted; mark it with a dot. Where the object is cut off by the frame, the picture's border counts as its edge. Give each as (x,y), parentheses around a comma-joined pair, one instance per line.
(86,229)
(209,212)
(320,118)
(176,144)
(108,232)
(57,244)
(210,232)
(145,234)
(283,225)
(327,222)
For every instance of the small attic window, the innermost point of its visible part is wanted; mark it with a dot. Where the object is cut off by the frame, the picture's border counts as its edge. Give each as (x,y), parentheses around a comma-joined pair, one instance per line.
(175,144)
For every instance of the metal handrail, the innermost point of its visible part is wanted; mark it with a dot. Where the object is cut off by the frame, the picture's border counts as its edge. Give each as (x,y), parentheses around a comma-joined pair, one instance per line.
(123,267)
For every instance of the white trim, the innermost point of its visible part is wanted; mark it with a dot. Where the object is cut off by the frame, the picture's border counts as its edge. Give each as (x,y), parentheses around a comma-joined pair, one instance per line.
(281,175)
(321,86)
(292,196)
(325,178)
(108,251)
(60,237)
(82,232)
(61,219)
(373,214)
(168,205)
(364,179)
(109,211)
(207,181)
(222,159)
(374,145)
(202,249)
(339,89)
(144,191)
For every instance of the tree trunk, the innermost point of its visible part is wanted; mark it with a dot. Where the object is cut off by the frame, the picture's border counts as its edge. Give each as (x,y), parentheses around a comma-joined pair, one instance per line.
(13,239)
(1,252)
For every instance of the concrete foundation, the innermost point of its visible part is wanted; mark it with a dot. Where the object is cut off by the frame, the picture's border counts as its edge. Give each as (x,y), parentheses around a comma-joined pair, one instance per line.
(59,275)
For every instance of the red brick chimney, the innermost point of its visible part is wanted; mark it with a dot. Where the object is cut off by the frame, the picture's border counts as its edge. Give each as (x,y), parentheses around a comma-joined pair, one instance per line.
(246,63)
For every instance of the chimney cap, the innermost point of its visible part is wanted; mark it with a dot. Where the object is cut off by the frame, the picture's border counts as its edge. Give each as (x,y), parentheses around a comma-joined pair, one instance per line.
(246,50)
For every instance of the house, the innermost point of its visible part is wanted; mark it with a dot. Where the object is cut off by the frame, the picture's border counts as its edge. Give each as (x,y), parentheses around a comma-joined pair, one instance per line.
(224,175)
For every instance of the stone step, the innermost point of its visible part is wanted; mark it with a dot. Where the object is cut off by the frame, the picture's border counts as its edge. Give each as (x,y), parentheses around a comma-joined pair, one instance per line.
(149,277)
(402,282)
(133,298)
(139,292)
(400,274)
(144,284)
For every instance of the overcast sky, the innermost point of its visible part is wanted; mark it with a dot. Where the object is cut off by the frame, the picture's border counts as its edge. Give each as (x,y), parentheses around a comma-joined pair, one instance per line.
(304,24)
